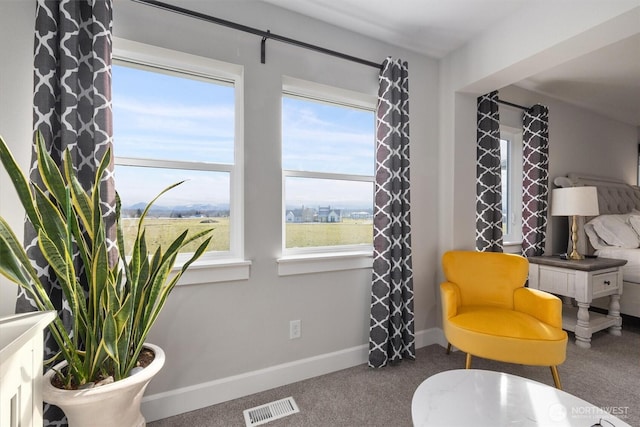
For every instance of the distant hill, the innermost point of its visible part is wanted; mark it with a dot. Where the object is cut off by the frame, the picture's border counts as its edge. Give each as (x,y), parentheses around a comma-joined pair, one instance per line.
(178,211)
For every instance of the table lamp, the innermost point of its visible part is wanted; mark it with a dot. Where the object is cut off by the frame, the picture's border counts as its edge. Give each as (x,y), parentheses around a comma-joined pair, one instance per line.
(574,202)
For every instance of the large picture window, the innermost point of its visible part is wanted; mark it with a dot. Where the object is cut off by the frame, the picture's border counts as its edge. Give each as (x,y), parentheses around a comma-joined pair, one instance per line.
(328,168)
(170,125)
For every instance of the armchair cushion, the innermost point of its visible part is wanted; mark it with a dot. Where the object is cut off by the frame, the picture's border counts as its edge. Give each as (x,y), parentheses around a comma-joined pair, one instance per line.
(507,336)
(500,322)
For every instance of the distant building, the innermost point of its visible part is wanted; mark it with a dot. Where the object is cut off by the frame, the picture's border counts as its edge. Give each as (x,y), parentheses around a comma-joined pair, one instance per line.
(326,214)
(323,214)
(301,215)
(361,215)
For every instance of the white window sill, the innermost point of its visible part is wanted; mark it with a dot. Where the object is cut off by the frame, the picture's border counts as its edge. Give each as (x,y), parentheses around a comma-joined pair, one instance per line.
(512,247)
(213,271)
(324,262)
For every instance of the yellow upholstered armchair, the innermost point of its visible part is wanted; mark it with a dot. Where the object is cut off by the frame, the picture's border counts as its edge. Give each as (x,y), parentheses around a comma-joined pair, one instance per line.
(487,311)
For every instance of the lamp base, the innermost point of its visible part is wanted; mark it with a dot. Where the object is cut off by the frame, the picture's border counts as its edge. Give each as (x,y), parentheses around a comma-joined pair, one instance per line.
(574,255)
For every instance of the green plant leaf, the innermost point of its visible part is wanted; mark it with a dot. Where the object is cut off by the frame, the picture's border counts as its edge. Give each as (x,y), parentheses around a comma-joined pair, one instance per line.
(20,182)
(59,262)
(82,204)
(50,173)
(54,223)
(14,262)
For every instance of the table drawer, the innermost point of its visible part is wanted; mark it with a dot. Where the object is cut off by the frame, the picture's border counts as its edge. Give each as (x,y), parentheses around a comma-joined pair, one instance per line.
(605,282)
(557,281)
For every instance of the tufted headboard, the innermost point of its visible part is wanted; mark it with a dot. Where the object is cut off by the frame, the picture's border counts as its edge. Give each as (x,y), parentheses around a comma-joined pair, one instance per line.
(614,197)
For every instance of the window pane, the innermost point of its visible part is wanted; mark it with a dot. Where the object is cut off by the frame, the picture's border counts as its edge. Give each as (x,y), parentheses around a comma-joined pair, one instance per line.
(160,115)
(320,137)
(504,178)
(202,202)
(323,212)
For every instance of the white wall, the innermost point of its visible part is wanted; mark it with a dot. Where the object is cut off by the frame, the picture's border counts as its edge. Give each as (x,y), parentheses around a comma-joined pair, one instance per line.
(16,95)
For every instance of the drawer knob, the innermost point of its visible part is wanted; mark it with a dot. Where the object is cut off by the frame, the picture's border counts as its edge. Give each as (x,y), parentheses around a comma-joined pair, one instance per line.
(607,282)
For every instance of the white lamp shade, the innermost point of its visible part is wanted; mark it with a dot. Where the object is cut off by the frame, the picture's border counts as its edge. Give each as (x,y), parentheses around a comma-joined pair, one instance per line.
(582,201)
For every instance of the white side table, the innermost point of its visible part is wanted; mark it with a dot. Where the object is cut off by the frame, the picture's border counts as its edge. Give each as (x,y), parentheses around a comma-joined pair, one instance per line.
(474,397)
(584,281)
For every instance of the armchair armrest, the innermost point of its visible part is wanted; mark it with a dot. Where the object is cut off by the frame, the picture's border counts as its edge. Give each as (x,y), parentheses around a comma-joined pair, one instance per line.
(450,296)
(539,304)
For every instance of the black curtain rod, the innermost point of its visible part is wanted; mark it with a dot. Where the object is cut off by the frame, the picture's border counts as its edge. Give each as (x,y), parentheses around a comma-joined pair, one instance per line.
(264,34)
(512,104)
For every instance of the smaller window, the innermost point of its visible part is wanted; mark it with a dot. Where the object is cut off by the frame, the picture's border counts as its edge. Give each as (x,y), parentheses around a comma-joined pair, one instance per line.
(511,176)
(328,168)
(505,166)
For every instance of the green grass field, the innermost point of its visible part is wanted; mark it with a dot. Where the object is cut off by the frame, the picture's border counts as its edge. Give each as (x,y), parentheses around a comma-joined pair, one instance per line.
(161,231)
(347,232)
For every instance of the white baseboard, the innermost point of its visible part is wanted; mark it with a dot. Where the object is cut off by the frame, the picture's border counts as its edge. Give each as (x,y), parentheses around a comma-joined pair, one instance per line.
(430,336)
(178,401)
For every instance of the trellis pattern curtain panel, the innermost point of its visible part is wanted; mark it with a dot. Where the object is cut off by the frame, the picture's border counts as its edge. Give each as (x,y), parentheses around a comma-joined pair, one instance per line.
(391,336)
(72,108)
(488,176)
(535,179)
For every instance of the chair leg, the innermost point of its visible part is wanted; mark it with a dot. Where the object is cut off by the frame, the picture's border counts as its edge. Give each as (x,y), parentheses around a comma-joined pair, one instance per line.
(556,377)
(448,347)
(467,365)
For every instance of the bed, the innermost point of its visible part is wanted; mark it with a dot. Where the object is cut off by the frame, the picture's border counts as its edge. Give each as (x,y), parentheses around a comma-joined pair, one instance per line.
(615,233)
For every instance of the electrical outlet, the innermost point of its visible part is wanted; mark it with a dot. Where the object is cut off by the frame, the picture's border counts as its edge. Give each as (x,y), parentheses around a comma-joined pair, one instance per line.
(294,329)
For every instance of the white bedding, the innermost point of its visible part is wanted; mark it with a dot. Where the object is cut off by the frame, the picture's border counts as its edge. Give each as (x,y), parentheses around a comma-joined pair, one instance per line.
(631,270)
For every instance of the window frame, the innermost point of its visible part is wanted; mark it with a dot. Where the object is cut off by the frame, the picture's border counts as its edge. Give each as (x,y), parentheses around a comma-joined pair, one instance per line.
(229,265)
(514,185)
(324,258)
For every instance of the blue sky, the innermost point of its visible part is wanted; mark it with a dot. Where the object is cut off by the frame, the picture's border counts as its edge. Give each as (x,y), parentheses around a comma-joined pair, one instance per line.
(326,138)
(165,117)
(321,137)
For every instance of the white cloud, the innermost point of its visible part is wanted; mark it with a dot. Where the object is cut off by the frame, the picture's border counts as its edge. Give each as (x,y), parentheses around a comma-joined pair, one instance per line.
(212,112)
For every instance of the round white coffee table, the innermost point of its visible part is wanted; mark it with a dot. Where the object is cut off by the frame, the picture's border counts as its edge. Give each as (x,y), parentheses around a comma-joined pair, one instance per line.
(473,397)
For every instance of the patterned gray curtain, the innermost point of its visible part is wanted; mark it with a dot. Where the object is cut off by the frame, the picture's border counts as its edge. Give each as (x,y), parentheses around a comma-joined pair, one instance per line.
(391,334)
(535,179)
(72,108)
(488,179)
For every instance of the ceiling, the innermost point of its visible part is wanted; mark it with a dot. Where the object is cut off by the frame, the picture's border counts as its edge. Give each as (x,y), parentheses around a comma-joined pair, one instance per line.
(606,81)
(432,27)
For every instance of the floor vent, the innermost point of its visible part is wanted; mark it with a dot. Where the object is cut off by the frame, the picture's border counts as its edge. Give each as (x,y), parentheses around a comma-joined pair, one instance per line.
(271,411)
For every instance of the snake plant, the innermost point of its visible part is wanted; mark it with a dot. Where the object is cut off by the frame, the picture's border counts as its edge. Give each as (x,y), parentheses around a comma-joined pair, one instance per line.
(114,302)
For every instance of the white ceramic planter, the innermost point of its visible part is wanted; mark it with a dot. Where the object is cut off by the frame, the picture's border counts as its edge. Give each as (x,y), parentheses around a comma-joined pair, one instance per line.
(115,404)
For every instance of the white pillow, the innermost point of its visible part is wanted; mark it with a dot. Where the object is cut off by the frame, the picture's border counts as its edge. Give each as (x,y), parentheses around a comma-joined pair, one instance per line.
(595,240)
(634,220)
(615,230)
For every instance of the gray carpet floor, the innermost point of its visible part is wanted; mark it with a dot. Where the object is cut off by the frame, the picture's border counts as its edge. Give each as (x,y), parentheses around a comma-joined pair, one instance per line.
(607,375)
